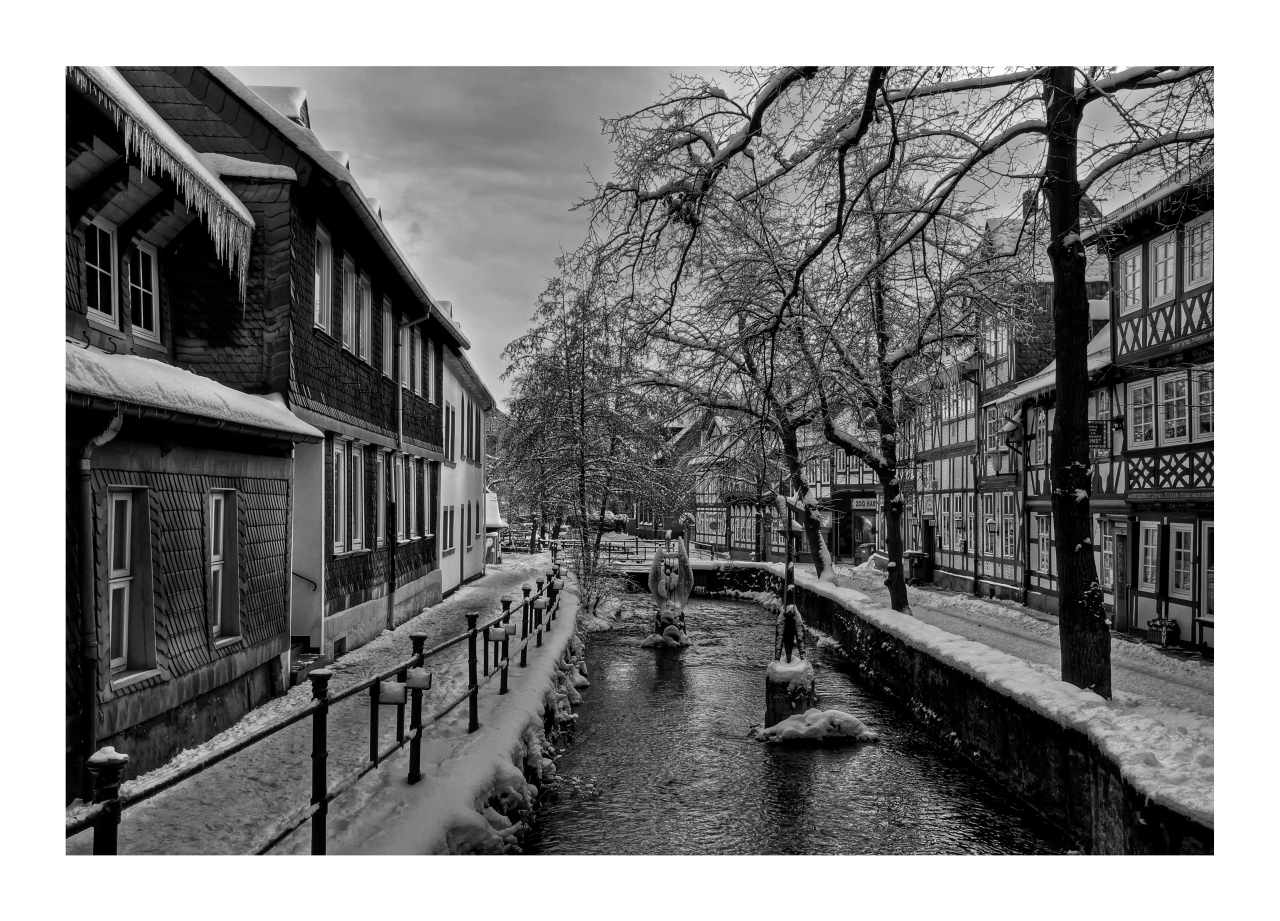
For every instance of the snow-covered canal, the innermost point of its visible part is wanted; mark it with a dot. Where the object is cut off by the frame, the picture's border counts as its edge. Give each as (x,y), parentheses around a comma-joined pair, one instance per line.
(662,763)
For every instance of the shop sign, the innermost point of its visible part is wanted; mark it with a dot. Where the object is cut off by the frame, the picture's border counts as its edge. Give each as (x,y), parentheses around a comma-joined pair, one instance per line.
(1098,433)
(864,505)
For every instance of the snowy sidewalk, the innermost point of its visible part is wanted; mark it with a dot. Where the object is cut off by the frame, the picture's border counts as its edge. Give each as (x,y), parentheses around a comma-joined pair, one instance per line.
(1142,678)
(224,809)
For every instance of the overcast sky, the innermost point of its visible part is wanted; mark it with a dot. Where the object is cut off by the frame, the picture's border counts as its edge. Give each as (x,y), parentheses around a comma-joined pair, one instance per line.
(476,170)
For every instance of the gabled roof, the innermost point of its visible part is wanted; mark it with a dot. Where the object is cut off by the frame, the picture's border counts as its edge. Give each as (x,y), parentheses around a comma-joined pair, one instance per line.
(1199,170)
(306,142)
(159,149)
(1098,356)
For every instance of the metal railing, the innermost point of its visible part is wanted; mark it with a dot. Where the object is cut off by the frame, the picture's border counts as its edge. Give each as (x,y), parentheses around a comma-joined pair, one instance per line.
(397,686)
(639,550)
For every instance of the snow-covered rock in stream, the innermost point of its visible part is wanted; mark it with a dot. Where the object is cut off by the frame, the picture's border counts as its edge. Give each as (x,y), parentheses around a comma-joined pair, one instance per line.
(818,726)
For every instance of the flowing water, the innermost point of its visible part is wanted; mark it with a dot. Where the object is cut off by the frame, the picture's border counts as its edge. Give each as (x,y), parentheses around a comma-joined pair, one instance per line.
(661,762)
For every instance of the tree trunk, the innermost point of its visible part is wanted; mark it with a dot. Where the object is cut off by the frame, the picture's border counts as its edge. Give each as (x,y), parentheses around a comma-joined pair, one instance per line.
(812,526)
(1082,622)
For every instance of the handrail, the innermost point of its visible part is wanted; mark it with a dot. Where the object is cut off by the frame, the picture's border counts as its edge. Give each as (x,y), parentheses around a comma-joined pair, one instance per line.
(104,816)
(314,587)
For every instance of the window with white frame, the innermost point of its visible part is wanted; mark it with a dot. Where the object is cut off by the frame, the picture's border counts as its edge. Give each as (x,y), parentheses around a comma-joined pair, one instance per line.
(1042,436)
(388,338)
(339,496)
(989,524)
(1148,555)
(323,280)
(1010,530)
(466,524)
(1131,280)
(120,577)
(99,270)
(446,527)
(1042,539)
(411,490)
(224,589)
(398,488)
(357,497)
(417,361)
(478,524)
(1173,409)
(944,531)
(404,357)
(143,288)
(1202,428)
(380,501)
(364,322)
(349,304)
(1142,414)
(428,519)
(1197,249)
(1180,548)
(1164,268)
(993,429)
(1108,555)
(429,369)
(450,424)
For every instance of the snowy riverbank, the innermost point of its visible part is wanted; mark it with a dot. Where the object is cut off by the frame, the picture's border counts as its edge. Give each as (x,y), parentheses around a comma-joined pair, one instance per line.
(474,793)
(1167,757)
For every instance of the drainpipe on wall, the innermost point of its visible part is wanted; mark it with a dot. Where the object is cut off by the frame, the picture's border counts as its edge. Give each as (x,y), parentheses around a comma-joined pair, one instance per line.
(88,610)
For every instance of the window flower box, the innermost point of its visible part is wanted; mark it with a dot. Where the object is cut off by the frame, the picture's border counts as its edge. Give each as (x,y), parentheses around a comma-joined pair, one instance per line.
(1164,632)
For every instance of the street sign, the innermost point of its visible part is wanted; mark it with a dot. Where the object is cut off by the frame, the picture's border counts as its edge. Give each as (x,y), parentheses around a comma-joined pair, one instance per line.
(1098,433)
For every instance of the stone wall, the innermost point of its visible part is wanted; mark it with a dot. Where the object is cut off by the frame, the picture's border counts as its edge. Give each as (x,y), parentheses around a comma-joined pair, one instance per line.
(1057,770)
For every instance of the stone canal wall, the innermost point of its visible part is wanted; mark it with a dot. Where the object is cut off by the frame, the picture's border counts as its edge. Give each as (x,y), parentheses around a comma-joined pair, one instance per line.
(1038,736)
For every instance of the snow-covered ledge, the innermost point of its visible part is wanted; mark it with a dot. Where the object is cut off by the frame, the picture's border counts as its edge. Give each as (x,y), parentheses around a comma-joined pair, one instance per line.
(450,811)
(1040,735)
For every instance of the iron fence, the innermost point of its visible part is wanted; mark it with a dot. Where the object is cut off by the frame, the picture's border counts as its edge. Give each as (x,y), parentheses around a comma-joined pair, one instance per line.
(397,686)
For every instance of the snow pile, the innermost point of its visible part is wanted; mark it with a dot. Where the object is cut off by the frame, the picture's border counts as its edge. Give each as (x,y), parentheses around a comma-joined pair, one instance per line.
(478,790)
(818,726)
(159,149)
(224,165)
(796,674)
(147,382)
(1170,764)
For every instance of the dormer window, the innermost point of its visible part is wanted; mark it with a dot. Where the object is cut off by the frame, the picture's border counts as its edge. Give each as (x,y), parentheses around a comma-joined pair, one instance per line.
(99,270)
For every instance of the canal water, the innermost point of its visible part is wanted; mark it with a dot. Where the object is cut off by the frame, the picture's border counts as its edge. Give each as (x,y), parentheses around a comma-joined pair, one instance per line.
(661,761)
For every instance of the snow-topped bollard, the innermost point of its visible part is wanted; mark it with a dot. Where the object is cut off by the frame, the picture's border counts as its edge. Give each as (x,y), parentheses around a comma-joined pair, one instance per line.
(788,690)
(105,767)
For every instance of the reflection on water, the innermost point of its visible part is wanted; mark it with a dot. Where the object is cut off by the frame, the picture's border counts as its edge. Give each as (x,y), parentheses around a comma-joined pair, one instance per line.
(662,764)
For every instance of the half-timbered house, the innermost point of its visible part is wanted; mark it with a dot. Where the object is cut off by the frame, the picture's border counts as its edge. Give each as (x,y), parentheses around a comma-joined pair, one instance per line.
(1160,248)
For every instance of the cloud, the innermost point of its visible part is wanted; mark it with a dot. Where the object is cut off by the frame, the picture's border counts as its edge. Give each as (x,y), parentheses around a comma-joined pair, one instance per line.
(476,169)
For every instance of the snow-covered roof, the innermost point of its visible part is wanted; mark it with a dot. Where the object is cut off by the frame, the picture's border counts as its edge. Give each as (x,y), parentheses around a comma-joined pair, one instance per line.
(159,149)
(492,513)
(223,165)
(156,385)
(1098,356)
(1196,171)
(289,101)
(306,141)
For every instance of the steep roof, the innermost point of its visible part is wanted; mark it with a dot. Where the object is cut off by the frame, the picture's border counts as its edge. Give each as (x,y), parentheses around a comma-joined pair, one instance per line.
(1199,170)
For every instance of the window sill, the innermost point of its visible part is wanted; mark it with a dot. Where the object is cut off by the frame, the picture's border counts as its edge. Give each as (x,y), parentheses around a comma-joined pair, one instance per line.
(129,678)
(222,641)
(104,324)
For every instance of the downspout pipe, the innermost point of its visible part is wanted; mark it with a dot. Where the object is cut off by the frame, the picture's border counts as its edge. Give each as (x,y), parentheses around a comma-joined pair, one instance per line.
(88,608)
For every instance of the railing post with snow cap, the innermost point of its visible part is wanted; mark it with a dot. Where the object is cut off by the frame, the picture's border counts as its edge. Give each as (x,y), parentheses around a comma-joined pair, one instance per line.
(551,598)
(473,721)
(524,624)
(419,641)
(506,641)
(319,757)
(539,605)
(105,767)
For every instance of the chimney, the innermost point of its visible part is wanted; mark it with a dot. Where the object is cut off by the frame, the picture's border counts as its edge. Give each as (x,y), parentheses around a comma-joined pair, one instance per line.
(1029,204)
(446,306)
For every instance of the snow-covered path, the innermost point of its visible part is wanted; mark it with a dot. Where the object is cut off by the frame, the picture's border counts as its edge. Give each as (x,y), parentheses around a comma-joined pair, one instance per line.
(1140,675)
(224,809)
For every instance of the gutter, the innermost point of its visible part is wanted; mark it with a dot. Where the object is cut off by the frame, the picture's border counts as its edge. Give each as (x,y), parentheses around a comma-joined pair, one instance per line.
(88,608)
(85,401)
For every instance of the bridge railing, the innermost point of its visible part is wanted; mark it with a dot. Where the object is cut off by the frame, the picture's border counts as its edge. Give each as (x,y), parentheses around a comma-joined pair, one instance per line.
(400,685)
